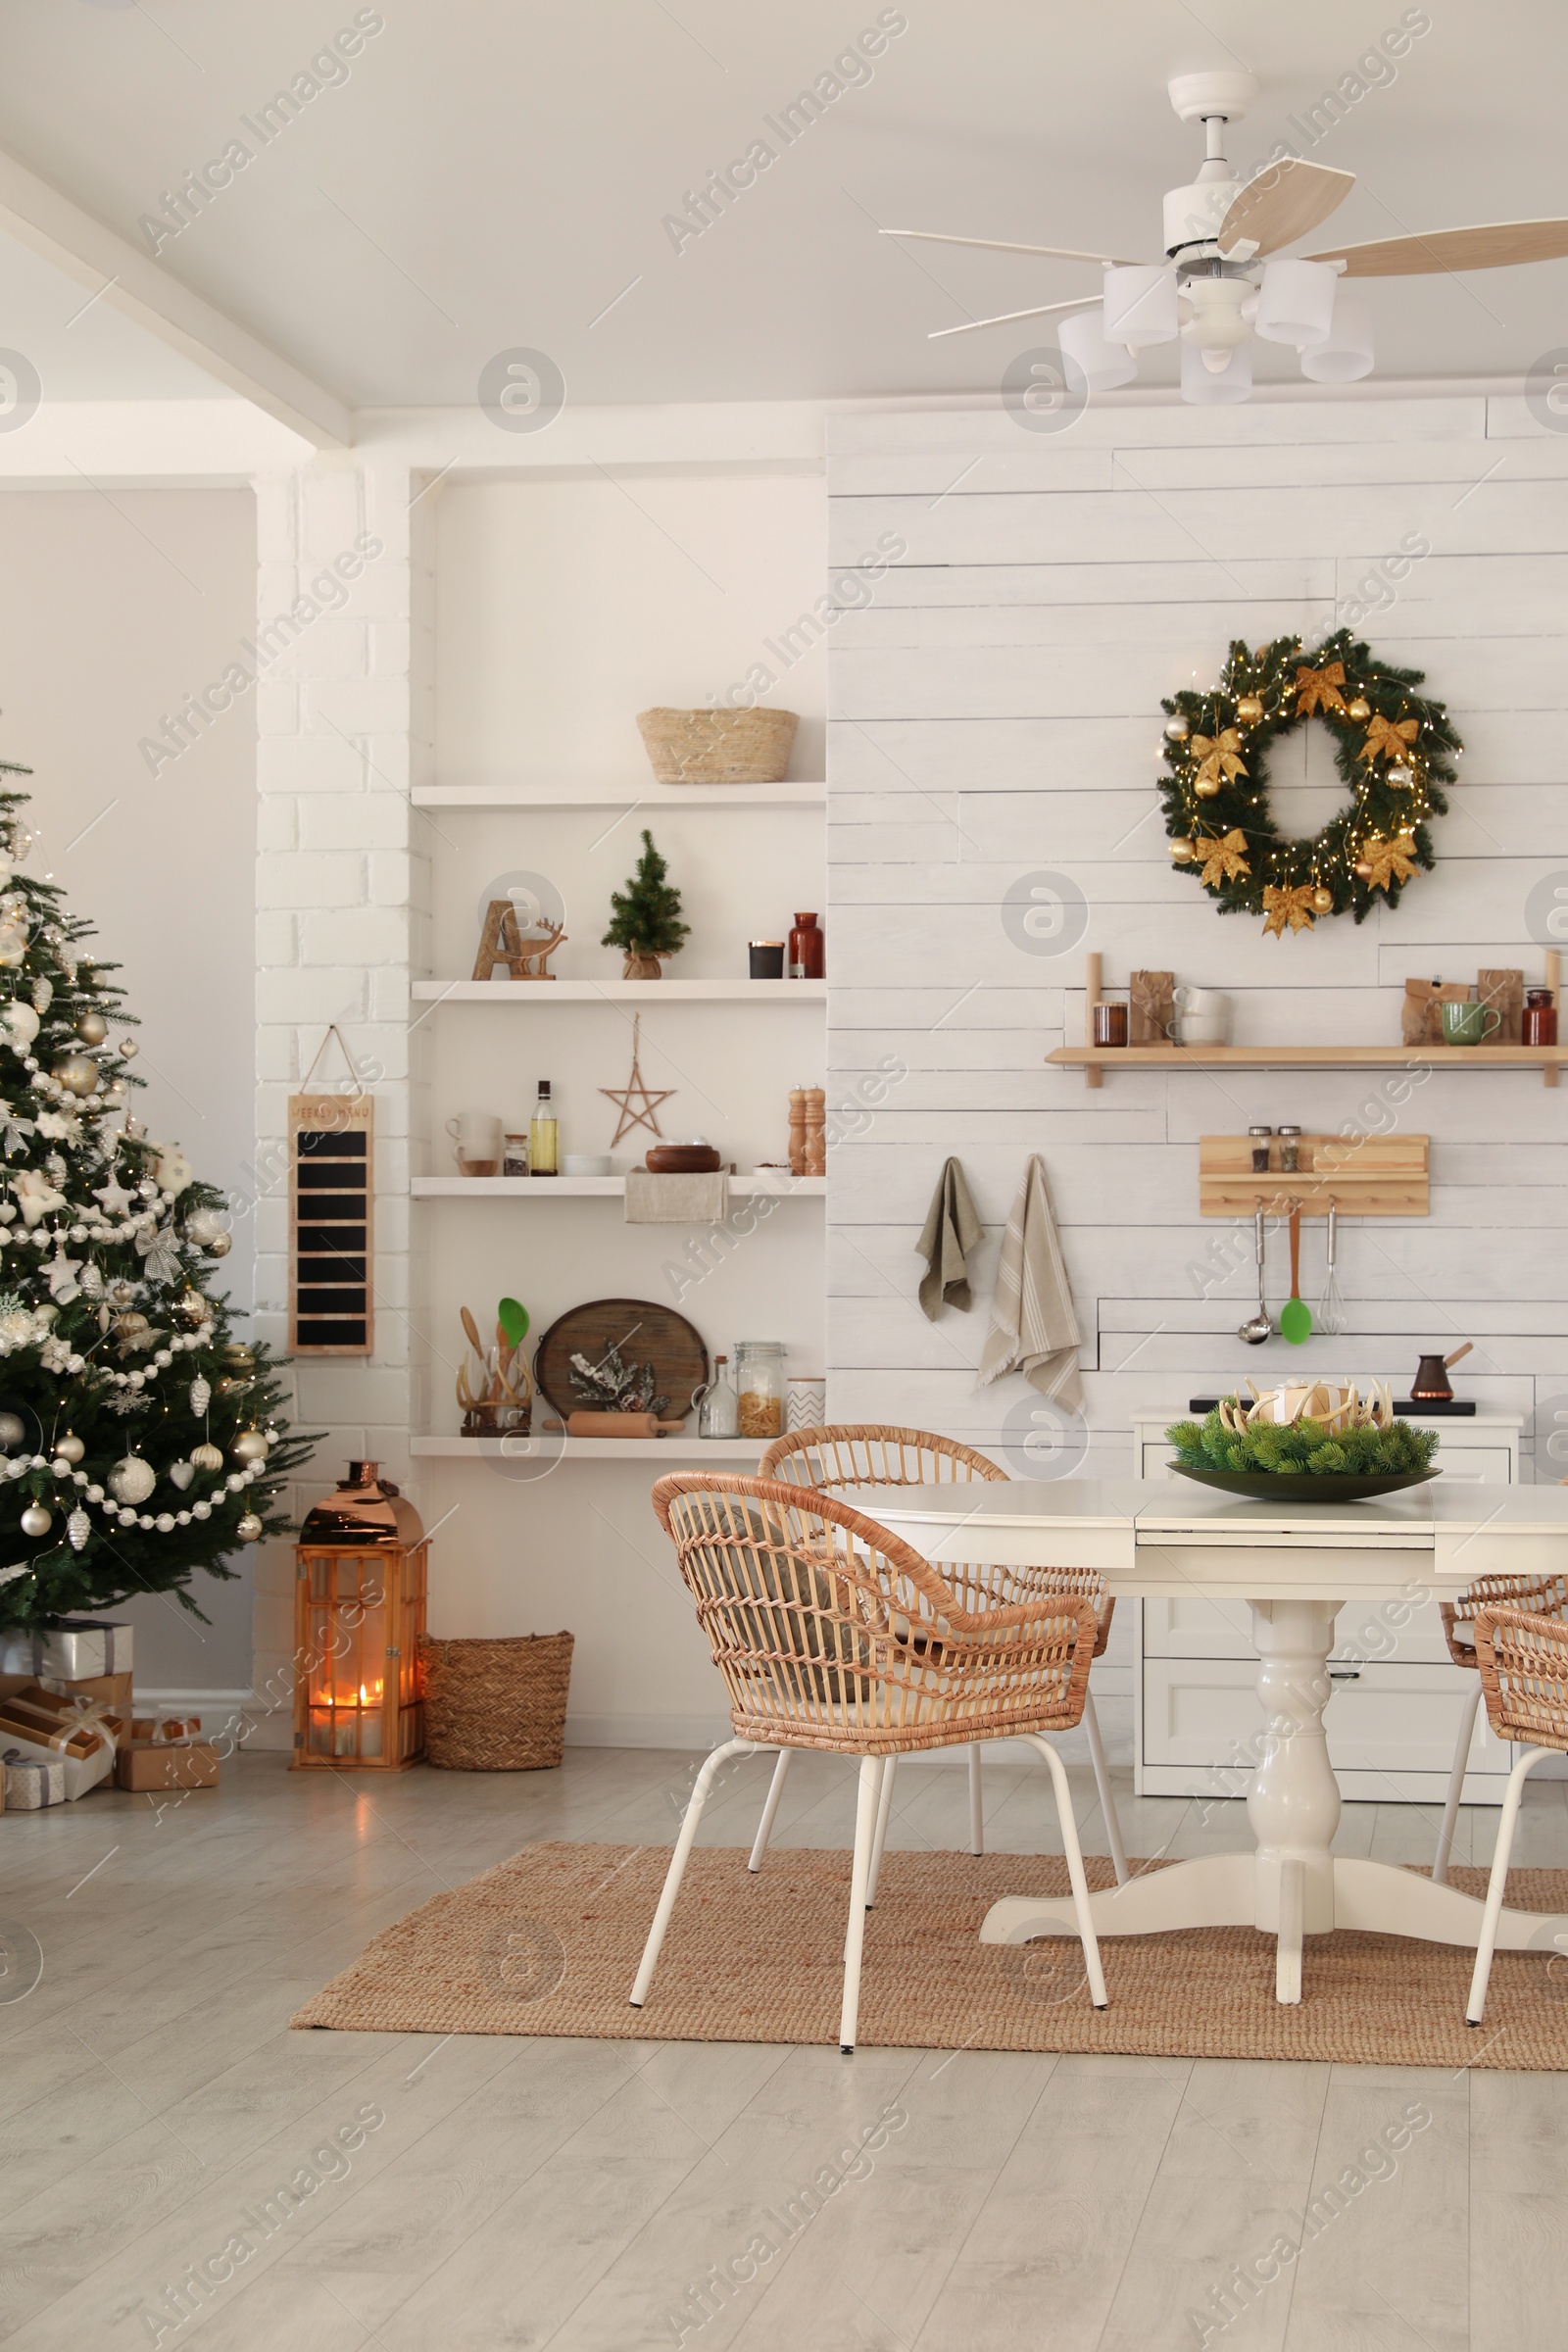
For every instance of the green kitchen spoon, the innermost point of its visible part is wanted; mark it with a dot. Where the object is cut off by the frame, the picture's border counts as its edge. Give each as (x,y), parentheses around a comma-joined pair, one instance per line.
(513,1317)
(1295,1316)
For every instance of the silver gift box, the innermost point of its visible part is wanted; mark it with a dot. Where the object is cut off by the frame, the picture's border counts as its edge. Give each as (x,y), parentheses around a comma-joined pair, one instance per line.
(75,1652)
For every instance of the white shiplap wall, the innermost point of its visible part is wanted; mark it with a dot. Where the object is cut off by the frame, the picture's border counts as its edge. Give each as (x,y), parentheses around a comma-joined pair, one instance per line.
(996,711)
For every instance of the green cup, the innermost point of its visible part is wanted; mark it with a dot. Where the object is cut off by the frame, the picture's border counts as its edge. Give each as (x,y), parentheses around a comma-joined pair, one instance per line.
(1469,1024)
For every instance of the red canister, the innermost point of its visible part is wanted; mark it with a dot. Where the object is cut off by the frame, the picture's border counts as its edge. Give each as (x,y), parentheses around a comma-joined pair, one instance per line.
(808,950)
(1538,1022)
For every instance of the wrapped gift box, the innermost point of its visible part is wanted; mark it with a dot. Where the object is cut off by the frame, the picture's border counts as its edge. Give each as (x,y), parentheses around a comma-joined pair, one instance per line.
(143,1764)
(145,1729)
(72,1653)
(32,1781)
(113,1690)
(43,1728)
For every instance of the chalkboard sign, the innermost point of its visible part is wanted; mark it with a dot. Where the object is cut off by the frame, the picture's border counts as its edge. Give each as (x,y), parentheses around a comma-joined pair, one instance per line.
(330,1224)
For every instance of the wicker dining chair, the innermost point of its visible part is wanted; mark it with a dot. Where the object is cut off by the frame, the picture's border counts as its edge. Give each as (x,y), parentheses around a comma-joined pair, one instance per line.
(1544,1595)
(853,1456)
(1522,1653)
(833,1634)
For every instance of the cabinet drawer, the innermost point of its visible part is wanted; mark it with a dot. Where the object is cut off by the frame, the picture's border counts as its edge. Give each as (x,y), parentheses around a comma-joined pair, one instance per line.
(1472,1464)
(1368,1633)
(1391,1719)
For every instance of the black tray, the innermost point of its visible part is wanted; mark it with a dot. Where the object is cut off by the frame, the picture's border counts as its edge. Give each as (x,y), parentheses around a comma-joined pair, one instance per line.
(1304,1485)
(1407,1408)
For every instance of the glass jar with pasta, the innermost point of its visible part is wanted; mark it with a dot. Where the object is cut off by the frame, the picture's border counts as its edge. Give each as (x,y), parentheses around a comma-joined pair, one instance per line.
(760,1378)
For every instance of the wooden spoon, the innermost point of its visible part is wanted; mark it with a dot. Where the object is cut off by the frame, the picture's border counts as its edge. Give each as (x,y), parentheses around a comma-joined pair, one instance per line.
(1295,1316)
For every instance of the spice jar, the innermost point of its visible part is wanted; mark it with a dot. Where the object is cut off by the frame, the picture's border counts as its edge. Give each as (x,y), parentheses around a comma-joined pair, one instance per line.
(808,950)
(759,1377)
(1290,1151)
(1261,1146)
(1539,1021)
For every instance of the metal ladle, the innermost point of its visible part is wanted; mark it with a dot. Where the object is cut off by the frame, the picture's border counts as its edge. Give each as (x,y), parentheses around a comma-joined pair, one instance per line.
(1259,1327)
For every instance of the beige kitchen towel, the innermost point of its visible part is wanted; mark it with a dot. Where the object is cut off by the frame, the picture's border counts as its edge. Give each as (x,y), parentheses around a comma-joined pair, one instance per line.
(677,1199)
(1034,1328)
(951,1231)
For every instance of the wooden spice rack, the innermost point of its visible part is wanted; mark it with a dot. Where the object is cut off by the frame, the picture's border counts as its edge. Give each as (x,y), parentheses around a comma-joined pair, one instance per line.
(1093,1061)
(1361,1175)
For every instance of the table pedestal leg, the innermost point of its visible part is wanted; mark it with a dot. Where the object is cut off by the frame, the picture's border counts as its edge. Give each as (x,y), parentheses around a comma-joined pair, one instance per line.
(1294,1804)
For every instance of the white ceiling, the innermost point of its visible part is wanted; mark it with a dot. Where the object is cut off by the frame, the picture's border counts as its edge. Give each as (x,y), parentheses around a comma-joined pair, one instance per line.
(494,172)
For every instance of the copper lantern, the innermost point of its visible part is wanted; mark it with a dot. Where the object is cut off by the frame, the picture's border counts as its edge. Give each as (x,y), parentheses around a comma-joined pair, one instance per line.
(359,1608)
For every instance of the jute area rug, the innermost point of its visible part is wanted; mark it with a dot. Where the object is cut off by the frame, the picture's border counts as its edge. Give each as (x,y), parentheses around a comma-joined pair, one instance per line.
(548,1943)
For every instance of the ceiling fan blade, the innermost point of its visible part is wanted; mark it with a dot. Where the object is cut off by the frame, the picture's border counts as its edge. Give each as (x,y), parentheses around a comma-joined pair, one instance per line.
(1498,246)
(1055,253)
(1284,202)
(1085,301)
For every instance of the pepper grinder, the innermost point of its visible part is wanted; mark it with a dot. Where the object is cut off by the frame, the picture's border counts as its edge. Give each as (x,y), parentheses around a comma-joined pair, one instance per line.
(816,1131)
(797,1131)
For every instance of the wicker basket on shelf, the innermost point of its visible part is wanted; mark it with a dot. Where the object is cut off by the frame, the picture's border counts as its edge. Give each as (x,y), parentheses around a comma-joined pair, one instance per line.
(496,1705)
(719,747)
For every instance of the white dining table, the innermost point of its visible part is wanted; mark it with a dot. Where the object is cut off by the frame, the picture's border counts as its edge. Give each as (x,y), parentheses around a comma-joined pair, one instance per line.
(1297,1565)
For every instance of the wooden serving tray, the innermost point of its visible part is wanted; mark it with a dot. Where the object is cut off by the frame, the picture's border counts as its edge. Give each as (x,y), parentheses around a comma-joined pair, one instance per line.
(1363,1175)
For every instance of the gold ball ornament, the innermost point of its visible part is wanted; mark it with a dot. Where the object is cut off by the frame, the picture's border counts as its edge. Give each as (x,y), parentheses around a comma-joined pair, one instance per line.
(77,1072)
(1322,901)
(249,1528)
(1249,709)
(1206,787)
(249,1446)
(237,1356)
(219,1246)
(1360,710)
(1183,852)
(1176,730)
(70,1448)
(133,1480)
(206,1457)
(1363,870)
(92,1027)
(35,1520)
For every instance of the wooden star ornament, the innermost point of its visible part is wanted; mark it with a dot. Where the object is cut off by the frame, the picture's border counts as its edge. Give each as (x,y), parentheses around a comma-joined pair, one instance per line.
(1224,857)
(636,1085)
(1282,907)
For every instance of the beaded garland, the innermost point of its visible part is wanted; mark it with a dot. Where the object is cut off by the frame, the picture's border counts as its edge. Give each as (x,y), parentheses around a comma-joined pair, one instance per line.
(1391,746)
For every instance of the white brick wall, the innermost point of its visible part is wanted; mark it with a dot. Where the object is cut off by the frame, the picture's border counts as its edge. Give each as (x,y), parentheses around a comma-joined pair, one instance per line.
(342,914)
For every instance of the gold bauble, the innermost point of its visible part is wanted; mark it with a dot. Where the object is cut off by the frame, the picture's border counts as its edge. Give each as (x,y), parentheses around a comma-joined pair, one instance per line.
(92,1027)
(35,1520)
(249,1528)
(1363,871)
(78,1073)
(1206,787)
(70,1447)
(237,1356)
(1182,851)
(219,1246)
(1360,710)
(206,1457)
(1249,709)
(249,1446)
(1176,730)
(1322,901)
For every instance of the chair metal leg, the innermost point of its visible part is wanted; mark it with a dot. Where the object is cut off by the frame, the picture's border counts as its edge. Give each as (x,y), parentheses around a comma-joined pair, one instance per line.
(677,1862)
(866,1813)
(775,1789)
(883,1810)
(1496,1885)
(977,1813)
(1075,1867)
(1450,1811)
(1107,1804)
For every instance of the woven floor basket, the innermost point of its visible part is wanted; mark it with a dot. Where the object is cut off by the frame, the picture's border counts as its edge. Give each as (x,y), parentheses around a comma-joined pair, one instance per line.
(719,747)
(496,1705)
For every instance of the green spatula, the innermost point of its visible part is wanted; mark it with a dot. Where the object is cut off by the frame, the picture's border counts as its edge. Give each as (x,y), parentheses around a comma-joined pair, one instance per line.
(1295,1316)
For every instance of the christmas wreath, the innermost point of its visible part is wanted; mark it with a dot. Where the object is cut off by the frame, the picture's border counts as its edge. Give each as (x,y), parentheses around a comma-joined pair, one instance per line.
(1391,745)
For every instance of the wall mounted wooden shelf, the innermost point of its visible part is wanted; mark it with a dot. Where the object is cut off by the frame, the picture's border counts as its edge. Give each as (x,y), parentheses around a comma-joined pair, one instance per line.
(1362,1175)
(738,1453)
(648,796)
(641,991)
(598,1188)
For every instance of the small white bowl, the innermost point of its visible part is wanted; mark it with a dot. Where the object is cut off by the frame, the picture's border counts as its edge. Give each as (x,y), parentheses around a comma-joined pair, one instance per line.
(588,1163)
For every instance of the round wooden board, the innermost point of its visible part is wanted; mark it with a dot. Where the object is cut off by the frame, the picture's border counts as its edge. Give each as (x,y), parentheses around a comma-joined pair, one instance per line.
(643,1331)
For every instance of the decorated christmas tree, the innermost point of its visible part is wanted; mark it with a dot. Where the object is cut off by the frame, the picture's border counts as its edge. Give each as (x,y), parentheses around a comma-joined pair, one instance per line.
(139,1439)
(644,917)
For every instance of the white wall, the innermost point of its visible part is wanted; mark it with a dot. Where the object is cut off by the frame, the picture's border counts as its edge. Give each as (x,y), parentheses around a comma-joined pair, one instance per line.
(114,605)
(997,712)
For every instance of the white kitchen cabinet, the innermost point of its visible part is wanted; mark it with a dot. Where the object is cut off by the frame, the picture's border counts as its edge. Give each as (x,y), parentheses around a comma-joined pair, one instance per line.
(1394,1714)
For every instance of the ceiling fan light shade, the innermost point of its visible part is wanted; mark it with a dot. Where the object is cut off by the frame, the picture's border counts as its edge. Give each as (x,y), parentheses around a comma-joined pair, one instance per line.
(1345,353)
(1089,360)
(1140,305)
(1297,303)
(1206,386)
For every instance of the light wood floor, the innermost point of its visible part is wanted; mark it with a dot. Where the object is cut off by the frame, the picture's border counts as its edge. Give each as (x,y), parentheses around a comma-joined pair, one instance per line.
(573,2194)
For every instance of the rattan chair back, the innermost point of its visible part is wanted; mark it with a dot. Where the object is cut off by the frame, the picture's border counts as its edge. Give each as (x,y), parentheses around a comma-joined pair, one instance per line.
(1546,1595)
(1523,1658)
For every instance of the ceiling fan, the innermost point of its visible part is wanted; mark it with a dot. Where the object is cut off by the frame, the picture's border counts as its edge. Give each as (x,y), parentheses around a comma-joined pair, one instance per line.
(1225,278)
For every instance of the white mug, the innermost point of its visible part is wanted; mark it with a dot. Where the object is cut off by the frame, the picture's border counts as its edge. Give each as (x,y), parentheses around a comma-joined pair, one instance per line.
(1208,1029)
(1207,1002)
(477,1136)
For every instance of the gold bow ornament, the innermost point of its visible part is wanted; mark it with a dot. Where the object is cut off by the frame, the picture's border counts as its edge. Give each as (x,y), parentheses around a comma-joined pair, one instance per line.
(1224,857)
(1381,862)
(1216,752)
(1392,737)
(1282,907)
(1319,689)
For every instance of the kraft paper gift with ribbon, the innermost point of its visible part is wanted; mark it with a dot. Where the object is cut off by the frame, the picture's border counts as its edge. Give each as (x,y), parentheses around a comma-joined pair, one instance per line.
(1034,1325)
(951,1231)
(80,1735)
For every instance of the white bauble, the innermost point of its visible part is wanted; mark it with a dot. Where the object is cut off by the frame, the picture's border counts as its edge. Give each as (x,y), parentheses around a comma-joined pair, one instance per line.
(36,1521)
(70,1448)
(249,1528)
(21,1023)
(133,1480)
(175,1171)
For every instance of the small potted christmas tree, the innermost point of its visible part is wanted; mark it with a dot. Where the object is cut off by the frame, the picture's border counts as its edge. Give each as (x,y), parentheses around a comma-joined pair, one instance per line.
(644,917)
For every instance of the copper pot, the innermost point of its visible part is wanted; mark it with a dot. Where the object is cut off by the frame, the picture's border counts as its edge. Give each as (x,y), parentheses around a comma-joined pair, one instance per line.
(367,1508)
(1432,1385)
